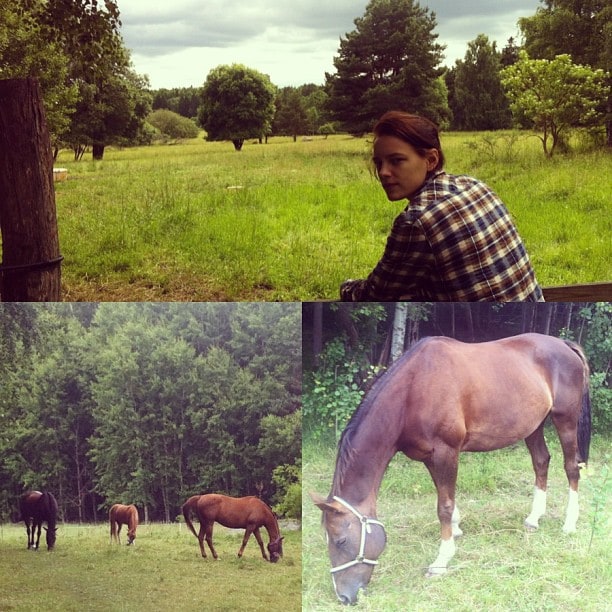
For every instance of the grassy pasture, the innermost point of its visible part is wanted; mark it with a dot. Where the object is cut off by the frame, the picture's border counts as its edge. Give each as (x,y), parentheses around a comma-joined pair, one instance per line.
(163,571)
(291,221)
(499,566)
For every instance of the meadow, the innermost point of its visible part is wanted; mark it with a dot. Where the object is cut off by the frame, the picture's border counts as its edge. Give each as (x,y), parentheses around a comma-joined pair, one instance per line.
(498,566)
(291,220)
(162,571)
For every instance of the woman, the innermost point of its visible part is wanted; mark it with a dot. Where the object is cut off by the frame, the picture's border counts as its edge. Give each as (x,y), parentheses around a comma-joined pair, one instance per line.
(455,241)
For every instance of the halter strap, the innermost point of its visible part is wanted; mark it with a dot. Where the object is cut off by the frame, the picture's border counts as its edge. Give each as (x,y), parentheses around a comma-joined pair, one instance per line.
(365,529)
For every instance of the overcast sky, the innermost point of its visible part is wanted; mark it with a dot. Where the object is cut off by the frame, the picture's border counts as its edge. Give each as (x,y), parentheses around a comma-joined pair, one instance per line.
(177,42)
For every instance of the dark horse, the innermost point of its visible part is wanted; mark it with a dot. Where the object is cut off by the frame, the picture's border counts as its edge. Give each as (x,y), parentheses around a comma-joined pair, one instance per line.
(37,508)
(440,398)
(248,513)
(120,515)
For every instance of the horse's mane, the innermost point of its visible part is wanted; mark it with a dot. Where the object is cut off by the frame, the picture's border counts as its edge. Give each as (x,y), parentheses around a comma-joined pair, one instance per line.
(346,450)
(270,512)
(49,505)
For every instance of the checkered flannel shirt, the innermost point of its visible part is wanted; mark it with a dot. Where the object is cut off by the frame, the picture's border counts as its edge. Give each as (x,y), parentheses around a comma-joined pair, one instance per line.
(455,241)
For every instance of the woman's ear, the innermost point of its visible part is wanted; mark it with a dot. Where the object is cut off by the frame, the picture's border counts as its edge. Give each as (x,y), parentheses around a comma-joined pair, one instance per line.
(433,157)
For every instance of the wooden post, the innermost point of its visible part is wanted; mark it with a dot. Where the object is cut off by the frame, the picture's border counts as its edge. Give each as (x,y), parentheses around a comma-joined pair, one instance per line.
(30,269)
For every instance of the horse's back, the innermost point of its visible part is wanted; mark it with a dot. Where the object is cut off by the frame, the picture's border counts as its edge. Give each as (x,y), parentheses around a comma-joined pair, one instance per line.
(122,513)
(480,396)
(232,512)
(33,503)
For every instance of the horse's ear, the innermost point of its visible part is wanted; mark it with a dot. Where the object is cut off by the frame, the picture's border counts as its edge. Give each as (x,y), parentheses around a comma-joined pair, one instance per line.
(321,502)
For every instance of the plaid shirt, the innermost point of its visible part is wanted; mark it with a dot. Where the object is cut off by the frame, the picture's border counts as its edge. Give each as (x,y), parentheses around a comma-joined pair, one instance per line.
(455,241)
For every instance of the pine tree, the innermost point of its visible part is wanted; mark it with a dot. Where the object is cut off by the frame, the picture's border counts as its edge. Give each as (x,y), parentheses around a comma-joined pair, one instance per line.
(390,61)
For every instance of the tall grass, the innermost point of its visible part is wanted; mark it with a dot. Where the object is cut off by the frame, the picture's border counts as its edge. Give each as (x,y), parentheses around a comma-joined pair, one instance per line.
(291,221)
(162,571)
(498,565)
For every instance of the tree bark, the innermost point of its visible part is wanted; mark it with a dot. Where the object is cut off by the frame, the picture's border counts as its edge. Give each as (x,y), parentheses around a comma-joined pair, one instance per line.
(399,330)
(317,333)
(97,151)
(30,270)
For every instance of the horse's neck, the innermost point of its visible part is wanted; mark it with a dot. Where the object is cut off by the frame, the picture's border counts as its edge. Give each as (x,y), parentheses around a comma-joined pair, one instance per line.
(357,479)
(271,525)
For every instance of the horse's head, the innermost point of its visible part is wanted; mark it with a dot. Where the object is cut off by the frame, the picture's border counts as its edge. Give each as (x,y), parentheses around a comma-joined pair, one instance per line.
(354,543)
(275,549)
(51,536)
(131,538)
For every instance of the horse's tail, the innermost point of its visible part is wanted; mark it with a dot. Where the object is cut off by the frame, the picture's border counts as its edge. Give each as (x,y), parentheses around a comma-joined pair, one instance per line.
(187,516)
(584,420)
(113,524)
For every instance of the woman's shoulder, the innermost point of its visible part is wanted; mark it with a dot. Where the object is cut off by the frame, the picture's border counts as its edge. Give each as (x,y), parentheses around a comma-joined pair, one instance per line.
(454,182)
(458,187)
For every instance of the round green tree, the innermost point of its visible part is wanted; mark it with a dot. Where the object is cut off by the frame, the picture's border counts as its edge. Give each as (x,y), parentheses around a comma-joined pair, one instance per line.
(237,103)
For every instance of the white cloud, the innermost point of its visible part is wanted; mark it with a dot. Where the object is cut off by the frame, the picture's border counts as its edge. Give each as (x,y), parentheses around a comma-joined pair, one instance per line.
(177,43)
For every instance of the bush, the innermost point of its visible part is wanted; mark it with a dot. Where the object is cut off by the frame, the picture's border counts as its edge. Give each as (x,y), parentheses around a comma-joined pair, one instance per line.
(288,480)
(172,124)
(334,391)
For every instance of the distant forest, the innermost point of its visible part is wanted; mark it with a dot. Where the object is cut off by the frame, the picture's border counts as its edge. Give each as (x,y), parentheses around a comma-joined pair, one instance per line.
(148,404)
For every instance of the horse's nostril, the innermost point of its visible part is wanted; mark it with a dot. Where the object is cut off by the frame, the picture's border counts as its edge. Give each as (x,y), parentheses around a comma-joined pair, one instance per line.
(346,600)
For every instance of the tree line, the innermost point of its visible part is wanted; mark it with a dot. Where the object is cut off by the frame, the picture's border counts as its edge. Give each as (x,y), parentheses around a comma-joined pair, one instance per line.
(346,346)
(148,404)
(556,80)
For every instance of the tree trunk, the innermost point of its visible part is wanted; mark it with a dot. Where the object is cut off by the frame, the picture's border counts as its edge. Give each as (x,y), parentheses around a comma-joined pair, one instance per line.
(97,150)
(317,333)
(399,330)
(30,270)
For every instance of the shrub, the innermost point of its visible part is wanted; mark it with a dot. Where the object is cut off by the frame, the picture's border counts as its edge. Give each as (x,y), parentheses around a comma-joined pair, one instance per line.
(172,124)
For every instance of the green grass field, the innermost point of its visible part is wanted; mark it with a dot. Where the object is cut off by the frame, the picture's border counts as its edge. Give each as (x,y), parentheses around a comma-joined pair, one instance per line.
(163,571)
(291,221)
(498,566)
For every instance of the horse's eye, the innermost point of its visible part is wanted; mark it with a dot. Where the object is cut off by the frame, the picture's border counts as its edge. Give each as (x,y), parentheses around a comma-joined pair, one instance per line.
(340,542)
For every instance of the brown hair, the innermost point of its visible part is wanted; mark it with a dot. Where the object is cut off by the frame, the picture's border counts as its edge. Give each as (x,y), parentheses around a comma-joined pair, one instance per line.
(417,131)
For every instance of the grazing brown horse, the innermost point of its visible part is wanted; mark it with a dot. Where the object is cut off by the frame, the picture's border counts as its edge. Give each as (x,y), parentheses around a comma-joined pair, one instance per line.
(37,508)
(440,398)
(120,515)
(248,513)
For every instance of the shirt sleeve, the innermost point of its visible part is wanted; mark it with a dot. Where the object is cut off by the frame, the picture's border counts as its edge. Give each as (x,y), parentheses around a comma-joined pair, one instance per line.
(405,265)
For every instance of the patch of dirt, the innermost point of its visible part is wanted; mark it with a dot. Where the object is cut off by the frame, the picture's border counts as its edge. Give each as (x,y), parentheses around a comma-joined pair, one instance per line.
(181,288)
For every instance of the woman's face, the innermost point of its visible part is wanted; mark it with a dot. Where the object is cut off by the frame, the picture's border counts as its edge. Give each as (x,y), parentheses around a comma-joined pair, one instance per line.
(400,169)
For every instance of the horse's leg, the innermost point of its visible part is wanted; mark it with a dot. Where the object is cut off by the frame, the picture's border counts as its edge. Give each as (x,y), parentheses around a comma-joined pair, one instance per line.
(455,520)
(247,534)
(566,428)
(540,458)
(39,526)
(201,533)
(209,540)
(30,533)
(257,535)
(119,526)
(443,466)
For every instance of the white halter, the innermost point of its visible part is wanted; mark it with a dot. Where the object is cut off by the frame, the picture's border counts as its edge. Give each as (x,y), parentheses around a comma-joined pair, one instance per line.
(365,529)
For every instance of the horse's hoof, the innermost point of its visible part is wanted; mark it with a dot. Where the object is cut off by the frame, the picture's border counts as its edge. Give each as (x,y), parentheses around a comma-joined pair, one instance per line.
(530,528)
(435,572)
